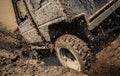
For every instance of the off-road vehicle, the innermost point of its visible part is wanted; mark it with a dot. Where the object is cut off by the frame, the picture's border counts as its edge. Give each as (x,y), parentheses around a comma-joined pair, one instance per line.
(65,26)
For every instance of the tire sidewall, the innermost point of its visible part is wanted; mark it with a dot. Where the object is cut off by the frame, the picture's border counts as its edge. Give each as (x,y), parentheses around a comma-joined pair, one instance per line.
(67,45)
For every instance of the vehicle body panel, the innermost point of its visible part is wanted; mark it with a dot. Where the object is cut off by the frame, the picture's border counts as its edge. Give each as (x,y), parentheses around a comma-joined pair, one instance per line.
(35,16)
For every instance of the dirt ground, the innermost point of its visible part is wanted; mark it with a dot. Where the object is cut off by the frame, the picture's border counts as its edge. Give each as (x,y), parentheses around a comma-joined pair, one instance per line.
(12,64)
(108,60)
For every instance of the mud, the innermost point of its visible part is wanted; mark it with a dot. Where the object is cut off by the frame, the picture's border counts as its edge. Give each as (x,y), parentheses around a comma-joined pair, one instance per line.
(108,60)
(15,61)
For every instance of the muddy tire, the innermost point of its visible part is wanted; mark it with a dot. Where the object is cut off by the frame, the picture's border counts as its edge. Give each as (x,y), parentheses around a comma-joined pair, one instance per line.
(73,53)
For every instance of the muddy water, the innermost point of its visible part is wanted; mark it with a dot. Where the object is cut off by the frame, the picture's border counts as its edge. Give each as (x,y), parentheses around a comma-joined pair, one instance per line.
(7,16)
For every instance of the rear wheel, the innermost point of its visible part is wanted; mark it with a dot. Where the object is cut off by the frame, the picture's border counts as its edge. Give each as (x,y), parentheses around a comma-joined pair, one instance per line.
(73,53)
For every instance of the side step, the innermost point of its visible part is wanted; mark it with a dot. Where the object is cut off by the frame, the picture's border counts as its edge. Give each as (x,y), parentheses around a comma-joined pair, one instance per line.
(103,13)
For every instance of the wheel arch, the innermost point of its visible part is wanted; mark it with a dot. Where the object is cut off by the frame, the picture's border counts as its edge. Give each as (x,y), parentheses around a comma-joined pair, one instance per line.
(74,28)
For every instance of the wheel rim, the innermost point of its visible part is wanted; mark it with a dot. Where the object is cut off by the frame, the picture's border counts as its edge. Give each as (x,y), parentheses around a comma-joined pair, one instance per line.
(69,59)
